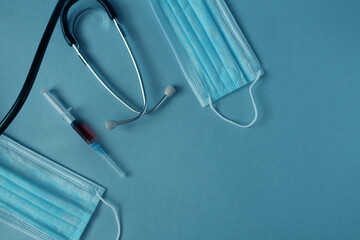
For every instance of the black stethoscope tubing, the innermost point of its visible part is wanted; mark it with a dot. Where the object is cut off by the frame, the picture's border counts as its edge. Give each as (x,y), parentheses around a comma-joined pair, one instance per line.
(34,69)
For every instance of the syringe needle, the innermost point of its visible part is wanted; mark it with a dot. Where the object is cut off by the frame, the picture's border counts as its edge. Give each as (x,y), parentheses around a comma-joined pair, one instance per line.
(108,159)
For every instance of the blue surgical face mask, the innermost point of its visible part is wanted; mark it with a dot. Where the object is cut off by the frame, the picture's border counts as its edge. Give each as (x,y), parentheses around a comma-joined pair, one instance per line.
(210,47)
(42,198)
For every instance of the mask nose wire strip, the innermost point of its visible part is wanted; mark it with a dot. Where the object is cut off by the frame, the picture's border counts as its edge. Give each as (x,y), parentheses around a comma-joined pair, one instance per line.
(115,214)
(254,105)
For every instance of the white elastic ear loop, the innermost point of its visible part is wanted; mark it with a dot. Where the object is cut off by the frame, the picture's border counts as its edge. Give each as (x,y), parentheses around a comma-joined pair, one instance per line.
(253,102)
(115,214)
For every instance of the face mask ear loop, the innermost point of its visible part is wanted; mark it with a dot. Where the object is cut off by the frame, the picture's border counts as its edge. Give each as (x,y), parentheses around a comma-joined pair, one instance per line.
(253,102)
(115,214)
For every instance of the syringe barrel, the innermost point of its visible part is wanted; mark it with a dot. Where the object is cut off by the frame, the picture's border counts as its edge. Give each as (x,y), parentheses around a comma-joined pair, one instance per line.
(84,132)
(65,113)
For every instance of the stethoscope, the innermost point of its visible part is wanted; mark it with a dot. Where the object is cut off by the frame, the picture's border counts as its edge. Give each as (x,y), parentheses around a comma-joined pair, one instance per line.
(110,124)
(61,10)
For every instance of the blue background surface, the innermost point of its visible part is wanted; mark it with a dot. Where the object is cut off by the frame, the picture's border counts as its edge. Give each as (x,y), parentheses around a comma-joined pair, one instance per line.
(294,175)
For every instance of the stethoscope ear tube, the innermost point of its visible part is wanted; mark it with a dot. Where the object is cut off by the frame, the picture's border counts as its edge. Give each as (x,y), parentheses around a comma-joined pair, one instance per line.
(64,23)
(64,18)
(170,91)
(109,9)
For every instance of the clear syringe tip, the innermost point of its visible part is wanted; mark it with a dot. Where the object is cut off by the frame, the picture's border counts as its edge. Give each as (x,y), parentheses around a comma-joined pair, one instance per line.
(108,159)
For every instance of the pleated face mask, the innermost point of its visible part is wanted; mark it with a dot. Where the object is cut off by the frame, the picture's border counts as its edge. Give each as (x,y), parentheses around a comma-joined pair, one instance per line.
(210,48)
(43,199)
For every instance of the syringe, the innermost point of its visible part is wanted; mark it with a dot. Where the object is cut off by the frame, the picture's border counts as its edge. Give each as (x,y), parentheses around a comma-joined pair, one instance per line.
(81,129)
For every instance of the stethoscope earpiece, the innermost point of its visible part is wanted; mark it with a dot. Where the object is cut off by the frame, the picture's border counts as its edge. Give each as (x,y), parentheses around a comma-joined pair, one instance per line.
(110,124)
(168,92)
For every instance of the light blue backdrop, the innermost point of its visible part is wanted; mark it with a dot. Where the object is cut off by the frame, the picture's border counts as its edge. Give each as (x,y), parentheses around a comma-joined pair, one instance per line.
(294,175)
